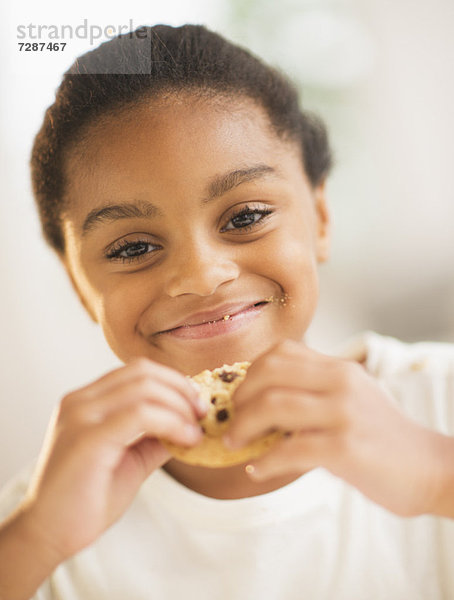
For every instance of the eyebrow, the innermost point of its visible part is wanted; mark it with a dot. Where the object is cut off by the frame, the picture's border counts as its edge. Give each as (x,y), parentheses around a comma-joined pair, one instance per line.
(218,186)
(221,184)
(113,212)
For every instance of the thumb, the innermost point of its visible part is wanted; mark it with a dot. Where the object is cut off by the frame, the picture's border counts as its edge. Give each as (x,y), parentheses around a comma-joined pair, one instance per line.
(152,453)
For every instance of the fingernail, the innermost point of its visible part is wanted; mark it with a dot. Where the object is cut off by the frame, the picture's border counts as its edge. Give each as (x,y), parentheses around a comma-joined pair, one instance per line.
(192,432)
(202,406)
(195,386)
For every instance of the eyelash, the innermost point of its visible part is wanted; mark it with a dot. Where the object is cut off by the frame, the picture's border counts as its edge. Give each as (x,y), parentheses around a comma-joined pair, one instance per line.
(262,212)
(114,253)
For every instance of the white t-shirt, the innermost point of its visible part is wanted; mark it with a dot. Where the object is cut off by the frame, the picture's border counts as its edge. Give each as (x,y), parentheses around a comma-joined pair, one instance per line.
(316,538)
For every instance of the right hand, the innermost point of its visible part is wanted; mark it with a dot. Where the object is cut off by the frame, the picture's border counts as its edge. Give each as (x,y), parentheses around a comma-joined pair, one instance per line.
(100,447)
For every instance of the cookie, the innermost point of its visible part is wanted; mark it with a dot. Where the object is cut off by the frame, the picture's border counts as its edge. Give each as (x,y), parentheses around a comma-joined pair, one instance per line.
(216,389)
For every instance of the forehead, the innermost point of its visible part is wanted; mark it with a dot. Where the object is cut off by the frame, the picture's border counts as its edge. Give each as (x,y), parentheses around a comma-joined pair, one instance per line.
(172,146)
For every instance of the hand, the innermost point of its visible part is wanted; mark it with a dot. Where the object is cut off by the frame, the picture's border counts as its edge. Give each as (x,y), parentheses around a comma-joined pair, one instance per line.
(100,447)
(338,417)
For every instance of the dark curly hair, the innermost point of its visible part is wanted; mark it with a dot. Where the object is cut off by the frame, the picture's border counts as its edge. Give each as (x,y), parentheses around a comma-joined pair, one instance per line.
(150,63)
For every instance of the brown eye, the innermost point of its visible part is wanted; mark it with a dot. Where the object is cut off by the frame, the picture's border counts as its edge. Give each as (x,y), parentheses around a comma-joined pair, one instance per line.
(129,251)
(134,250)
(246,219)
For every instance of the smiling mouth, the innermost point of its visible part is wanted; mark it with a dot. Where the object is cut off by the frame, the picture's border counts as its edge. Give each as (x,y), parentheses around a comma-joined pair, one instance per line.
(225,318)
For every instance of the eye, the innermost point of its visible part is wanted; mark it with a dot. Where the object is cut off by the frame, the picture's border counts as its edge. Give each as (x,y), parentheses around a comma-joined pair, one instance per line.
(130,251)
(246,219)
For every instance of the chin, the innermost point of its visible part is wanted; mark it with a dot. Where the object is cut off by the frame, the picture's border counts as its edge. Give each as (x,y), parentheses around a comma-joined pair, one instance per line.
(215,355)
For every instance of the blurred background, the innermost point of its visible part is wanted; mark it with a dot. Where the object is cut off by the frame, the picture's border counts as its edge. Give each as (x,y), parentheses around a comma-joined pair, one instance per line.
(379,72)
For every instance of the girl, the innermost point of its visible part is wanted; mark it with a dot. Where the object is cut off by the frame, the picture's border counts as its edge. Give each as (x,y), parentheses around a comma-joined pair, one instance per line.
(183,190)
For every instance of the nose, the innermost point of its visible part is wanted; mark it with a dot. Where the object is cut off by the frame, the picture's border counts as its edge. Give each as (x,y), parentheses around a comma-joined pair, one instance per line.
(200,269)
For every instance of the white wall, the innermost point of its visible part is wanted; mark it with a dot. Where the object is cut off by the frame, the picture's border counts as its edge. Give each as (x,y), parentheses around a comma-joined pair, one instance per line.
(48,344)
(392,196)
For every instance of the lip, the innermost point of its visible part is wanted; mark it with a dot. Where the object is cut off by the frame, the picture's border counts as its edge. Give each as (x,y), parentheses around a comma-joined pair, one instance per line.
(213,315)
(223,319)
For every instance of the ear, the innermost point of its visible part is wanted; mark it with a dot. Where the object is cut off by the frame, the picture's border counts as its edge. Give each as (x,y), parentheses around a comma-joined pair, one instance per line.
(323,224)
(77,290)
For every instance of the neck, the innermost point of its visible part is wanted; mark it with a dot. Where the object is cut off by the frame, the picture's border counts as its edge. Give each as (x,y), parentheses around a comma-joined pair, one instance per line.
(227,483)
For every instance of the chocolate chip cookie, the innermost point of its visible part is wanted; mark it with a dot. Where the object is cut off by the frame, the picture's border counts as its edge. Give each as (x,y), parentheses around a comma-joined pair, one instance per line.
(216,389)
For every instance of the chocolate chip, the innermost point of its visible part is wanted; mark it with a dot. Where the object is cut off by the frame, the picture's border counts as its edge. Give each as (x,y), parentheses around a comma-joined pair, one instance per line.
(203,429)
(222,415)
(228,376)
(213,399)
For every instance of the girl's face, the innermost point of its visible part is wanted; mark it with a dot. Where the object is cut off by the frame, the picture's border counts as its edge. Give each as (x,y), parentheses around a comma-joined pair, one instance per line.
(193,234)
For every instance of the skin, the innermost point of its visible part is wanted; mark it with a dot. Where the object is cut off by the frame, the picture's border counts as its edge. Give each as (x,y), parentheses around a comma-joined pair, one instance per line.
(168,155)
(103,440)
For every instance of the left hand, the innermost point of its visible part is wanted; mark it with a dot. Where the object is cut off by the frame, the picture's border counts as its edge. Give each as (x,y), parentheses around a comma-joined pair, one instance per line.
(338,417)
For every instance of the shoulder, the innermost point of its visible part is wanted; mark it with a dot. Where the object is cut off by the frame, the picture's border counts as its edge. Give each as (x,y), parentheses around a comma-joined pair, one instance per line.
(386,356)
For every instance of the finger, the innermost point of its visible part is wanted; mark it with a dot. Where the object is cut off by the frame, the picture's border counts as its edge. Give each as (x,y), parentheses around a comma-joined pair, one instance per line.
(133,423)
(173,378)
(303,369)
(137,391)
(152,454)
(148,454)
(137,464)
(284,410)
(297,454)
(144,368)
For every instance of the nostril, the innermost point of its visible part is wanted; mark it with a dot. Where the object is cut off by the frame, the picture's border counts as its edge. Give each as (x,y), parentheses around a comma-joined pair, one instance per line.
(201,278)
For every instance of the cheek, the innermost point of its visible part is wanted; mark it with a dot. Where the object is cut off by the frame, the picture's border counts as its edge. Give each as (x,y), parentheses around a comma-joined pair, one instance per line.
(288,256)
(300,280)
(120,308)
(292,264)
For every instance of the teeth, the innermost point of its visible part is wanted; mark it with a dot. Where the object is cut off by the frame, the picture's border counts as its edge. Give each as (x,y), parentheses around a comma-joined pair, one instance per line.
(227,317)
